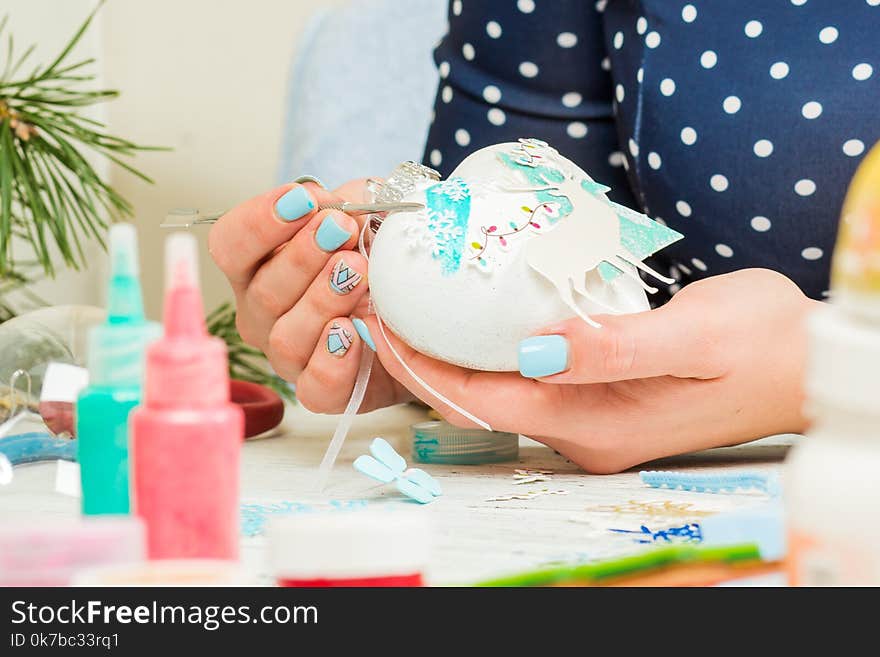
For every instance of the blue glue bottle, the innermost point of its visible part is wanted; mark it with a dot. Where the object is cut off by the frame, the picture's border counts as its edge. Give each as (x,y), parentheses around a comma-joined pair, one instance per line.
(115,362)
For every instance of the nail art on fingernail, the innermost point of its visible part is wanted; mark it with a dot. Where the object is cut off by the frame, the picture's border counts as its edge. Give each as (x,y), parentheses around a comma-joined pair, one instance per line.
(338,340)
(364,332)
(343,278)
(543,355)
(294,204)
(330,235)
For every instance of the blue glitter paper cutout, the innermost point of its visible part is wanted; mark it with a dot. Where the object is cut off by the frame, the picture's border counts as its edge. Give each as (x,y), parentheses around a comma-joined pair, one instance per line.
(449,208)
(37,446)
(254,516)
(593,187)
(690,533)
(639,234)
(538,177)
(713,482)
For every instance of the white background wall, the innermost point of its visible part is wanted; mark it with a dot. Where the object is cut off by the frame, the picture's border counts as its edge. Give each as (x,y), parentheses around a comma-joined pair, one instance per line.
(49,24)
(205,77)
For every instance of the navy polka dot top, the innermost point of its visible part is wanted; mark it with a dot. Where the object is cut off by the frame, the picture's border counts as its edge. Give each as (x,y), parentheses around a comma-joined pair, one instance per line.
(738,123)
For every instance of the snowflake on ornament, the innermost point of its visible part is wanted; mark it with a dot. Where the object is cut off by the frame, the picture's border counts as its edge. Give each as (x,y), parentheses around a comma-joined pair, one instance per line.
(417,233)
(443,226)
(454,189)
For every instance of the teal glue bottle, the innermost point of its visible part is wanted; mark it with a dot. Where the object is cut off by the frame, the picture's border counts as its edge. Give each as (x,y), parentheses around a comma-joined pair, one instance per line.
(115,362)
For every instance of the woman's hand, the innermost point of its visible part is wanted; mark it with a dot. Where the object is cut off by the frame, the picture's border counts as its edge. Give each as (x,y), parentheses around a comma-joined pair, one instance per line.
(297,277)
(720,364)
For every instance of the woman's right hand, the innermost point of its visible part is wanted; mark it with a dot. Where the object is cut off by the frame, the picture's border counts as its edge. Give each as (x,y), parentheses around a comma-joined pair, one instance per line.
(298,278)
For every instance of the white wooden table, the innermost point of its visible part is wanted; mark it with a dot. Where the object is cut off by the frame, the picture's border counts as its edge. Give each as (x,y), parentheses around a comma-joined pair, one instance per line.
(476,538)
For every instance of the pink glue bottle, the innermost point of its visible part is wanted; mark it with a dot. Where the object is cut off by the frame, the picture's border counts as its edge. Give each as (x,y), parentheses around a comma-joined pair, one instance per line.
(186,436)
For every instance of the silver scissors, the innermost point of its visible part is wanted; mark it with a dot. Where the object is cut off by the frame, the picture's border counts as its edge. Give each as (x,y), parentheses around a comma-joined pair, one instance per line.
(188,217)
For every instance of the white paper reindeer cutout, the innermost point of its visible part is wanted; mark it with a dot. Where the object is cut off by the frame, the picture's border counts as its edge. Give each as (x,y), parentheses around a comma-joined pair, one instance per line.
(579,243)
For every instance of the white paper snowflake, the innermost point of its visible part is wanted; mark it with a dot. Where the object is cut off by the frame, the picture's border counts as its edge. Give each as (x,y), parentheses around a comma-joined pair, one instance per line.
(442,226)
(435,230)
(417,233)
(455,189)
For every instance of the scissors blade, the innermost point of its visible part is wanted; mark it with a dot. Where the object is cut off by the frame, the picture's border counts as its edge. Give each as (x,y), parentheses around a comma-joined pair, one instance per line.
(367,208)
(188,217)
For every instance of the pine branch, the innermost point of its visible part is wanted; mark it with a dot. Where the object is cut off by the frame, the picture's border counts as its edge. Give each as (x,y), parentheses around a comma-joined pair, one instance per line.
(15,295)
(51,197)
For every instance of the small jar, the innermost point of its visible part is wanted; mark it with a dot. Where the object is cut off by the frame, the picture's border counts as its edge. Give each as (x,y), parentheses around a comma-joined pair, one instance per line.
(362,548)
(40,553)
(441,443)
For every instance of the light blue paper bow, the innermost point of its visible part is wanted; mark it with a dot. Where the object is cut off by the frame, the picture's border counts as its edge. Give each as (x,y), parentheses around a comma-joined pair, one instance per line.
(386,465)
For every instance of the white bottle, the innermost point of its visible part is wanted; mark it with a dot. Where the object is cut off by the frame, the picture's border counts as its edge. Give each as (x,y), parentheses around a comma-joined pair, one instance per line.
(832,478)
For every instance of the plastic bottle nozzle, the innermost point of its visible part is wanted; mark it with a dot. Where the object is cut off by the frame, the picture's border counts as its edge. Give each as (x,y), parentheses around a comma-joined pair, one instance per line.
(186,368)
(124,299)
(181,261)
(116,348)
(124,250)
(183,300)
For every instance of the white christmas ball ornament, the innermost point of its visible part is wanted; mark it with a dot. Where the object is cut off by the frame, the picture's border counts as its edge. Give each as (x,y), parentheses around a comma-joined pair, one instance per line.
(509,244)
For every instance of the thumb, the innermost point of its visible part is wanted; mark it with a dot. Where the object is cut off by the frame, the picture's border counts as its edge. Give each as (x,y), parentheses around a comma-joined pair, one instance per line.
(673,340)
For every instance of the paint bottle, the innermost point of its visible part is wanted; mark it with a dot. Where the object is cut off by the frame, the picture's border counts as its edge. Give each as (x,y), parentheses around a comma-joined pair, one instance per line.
(832,479)
(363,548)
(115,363)
(187,435)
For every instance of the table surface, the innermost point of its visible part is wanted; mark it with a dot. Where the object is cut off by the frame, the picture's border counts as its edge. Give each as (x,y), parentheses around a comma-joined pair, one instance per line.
(474,538)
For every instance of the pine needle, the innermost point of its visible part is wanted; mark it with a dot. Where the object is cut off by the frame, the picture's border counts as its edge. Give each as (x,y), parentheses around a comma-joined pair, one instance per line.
(51,197)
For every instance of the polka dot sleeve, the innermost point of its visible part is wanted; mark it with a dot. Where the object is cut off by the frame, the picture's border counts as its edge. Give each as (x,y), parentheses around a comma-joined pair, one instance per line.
(739,124)
(742,124)
(527,68)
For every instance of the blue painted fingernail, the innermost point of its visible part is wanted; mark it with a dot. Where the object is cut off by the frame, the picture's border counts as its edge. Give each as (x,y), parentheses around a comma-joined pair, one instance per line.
(330,235)
(543,355)
(294,204)
(364,332)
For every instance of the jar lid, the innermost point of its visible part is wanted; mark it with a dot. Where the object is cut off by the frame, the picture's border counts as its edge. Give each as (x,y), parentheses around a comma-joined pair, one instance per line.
(442,443)
(348,544)
(843,360)
(165,572)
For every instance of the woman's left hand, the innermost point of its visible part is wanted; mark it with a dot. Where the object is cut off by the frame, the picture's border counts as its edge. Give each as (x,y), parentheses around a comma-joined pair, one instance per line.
(721,363)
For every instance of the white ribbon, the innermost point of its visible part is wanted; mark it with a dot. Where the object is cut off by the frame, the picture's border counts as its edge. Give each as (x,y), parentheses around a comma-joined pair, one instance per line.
(360,389)
(427,387)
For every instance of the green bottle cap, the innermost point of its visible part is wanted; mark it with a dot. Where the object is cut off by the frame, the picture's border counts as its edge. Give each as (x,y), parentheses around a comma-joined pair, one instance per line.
(116,348)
